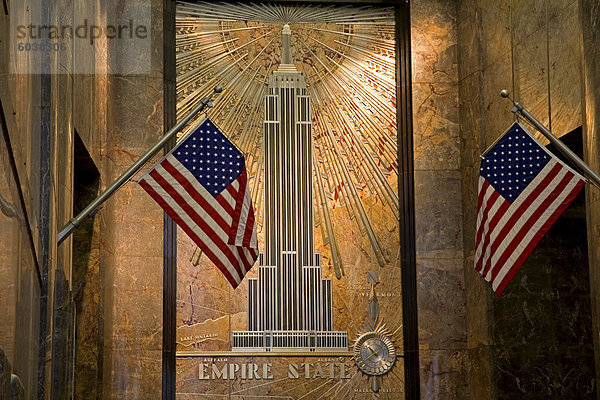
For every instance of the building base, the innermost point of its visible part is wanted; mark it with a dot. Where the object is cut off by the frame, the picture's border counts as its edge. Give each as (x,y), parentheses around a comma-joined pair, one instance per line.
(290,341)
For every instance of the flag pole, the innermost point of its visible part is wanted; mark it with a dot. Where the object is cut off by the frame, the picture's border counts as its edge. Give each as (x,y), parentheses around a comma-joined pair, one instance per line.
(124,178)
(588,172)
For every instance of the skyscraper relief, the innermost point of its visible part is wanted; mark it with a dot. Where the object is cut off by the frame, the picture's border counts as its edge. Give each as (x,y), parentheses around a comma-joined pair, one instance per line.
(289,303)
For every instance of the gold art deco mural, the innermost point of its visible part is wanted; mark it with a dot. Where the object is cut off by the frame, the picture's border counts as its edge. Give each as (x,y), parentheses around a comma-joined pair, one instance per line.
(309,98)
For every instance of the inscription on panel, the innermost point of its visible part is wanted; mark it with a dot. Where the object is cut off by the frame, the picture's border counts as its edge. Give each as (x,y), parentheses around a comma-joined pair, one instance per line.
(221,369)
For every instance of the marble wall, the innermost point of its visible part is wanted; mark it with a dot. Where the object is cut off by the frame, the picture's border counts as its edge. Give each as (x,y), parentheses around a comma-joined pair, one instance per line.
(19,284)
(532,49)
(438,200)
(20,278)
(590,39)
(542,323)
(131,225)
(464,53)
(114,273)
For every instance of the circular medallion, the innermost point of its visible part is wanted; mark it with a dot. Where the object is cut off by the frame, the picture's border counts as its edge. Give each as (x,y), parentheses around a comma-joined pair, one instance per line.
(374,353)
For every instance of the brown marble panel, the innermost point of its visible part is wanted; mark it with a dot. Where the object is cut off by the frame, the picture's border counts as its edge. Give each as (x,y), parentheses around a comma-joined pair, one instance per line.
(438,217)
(469,35)
(531,75)
(100,84)
(61,156)
(472,135)
(132,374)
(470,193)
(136,120)
(131,241)
(471,121)
(441,300)
(559,7)
(497,115)
(590,15)
(496,24)
(435,118)
(158,42)
(107,260)
(134,205)
(4,34)
(565,69)
(84,94)
(138,272)
(528,17)
(443,374)
(131,222)
(23,122)
(433,33)
(63,15)
(132,258)
(480,384)
(11,225)
(137,324)
(478,48)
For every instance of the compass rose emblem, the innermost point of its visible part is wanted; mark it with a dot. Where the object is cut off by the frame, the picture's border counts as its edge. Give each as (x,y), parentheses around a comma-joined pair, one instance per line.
(374,350)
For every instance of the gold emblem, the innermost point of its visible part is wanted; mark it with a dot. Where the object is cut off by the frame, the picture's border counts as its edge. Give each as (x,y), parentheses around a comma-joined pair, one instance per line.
(374,350)
(374,353)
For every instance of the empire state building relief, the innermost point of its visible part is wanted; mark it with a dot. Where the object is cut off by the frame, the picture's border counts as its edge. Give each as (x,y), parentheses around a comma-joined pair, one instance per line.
(289,303)
(309,99)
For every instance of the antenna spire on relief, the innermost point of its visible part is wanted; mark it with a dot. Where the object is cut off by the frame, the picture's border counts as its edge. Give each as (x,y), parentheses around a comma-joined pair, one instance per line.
(286,47)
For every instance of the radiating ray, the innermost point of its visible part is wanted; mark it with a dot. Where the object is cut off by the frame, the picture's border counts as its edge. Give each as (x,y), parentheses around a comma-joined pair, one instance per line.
(342,167)
(338,383)
(284,14)
(259,385)
(344,396)
(315,389)
(351,84)
(324,209)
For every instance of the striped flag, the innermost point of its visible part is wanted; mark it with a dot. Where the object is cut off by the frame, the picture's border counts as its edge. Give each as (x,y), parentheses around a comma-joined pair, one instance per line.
(203,185)
(523,189)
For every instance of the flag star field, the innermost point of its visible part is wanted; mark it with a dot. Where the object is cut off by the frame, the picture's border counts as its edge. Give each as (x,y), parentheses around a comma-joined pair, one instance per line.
(513,163)
(210,157)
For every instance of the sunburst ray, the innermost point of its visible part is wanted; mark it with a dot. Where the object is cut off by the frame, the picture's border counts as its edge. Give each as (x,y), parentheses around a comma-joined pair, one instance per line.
(347,57)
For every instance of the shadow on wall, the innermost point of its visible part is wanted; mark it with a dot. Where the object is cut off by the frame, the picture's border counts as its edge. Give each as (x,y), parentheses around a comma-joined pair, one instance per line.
(542,323)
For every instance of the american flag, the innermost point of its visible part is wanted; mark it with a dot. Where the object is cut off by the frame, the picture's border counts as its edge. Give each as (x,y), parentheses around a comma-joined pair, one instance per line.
(203,185)
(523,189)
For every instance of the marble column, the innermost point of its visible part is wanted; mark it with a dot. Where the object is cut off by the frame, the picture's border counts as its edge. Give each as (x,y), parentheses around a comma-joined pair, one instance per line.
(4,375)
(438,200)
(529,48)
(131,254)
(475,73)
(590,45)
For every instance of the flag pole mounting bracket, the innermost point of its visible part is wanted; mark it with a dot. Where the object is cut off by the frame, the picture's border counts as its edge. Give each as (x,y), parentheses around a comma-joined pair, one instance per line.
(592,177)
(95,205)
